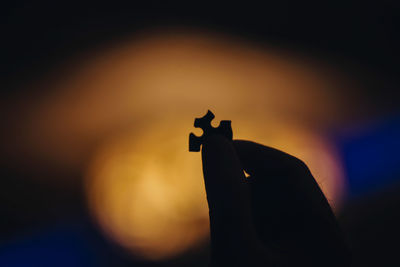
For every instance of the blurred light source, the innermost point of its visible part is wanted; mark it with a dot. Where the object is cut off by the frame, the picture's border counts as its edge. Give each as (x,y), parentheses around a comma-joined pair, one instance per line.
(147,190)
(370,154)
(144,186)
(134,103)
(64,246)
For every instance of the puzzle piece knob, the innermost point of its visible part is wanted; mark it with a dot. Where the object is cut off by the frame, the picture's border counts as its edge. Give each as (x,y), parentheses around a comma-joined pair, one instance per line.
(204,123)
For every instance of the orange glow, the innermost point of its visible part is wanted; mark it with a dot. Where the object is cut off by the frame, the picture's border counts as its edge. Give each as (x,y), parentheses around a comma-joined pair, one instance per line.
(128,110)
(147,190)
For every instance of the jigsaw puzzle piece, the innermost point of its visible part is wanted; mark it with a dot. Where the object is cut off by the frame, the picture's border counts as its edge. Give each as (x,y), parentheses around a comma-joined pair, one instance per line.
(204,123)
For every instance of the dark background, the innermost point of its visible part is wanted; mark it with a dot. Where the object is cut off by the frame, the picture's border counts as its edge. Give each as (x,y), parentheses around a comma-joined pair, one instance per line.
(360,38)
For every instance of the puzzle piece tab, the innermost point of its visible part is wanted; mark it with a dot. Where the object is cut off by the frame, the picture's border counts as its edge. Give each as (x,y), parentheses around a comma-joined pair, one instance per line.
(204,123)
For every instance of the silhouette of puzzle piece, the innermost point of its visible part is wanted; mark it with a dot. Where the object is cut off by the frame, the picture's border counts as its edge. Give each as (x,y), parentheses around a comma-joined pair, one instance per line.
(204,123)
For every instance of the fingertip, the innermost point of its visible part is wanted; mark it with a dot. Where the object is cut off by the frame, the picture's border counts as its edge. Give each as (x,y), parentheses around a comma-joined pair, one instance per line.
(227,193)
(219,157)
(223,173)
(216,144)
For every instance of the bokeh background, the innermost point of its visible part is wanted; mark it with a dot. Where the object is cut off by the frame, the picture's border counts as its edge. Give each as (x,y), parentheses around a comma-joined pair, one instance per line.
(97,102)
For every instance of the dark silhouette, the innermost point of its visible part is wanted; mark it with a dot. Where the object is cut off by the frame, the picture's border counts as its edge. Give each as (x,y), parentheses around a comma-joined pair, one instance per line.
(278,216)
(204,123)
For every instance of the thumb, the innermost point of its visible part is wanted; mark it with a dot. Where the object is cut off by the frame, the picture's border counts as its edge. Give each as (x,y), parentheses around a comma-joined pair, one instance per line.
(228,198)
(224,179)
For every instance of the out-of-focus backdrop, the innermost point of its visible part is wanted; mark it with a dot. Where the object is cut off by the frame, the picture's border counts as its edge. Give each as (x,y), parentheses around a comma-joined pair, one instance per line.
(97,103)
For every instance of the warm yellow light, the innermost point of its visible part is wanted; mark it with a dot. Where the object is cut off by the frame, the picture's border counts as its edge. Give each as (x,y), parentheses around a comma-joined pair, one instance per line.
(144,187)
(147,190)
(148,193)
(134,103)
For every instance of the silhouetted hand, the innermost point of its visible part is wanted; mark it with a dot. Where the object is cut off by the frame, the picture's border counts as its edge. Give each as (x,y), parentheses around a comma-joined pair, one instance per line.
(278,216)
